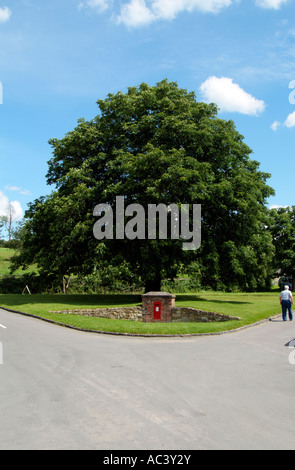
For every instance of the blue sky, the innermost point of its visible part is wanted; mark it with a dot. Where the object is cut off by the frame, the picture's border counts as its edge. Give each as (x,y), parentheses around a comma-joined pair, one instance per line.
(57,58)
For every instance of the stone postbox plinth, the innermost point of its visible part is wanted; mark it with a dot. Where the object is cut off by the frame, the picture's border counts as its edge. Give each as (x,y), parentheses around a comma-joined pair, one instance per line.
(157,307)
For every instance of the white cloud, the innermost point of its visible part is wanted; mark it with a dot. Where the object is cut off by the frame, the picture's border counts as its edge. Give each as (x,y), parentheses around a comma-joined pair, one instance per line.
(99,5)
(141,12)
(230,97)
(12,188)
(136,13)
(25,192)
(275,206)
(5,14)
(170,8)
(275,125)
(4,202)
(290,121)
(18,212)
(271,4)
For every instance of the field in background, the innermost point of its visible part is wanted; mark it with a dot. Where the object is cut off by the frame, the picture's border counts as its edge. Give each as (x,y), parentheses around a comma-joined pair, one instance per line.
(5,256)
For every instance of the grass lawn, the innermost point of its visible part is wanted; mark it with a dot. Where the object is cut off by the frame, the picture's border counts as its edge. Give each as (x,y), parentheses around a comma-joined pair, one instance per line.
(251,308)
(5,255)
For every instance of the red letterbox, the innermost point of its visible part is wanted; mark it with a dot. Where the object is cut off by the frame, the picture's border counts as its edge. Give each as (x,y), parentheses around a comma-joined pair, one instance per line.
(157,310)
(157,307)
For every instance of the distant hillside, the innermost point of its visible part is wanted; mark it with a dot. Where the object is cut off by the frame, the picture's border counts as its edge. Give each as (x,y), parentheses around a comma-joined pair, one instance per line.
(5,256)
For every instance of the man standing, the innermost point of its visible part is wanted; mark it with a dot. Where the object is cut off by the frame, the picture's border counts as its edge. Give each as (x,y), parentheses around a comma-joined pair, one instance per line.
(286,300)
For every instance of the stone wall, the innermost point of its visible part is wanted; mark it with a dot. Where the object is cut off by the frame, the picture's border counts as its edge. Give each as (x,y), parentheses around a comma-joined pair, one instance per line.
(116,313)
(188,314)
(178,314)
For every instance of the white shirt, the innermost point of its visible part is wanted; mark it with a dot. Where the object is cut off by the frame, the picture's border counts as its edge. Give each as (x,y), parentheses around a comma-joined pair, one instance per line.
(286,295)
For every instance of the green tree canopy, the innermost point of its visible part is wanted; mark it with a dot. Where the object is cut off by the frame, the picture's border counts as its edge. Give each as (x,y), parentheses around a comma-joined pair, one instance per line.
(282,228)
(154,144)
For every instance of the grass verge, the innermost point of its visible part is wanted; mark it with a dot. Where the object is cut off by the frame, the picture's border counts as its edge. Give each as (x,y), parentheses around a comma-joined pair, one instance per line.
(251,308)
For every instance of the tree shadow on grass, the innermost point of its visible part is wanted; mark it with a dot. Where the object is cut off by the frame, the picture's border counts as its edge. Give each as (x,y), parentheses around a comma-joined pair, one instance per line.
(77,300)
(98,300)
(197,298)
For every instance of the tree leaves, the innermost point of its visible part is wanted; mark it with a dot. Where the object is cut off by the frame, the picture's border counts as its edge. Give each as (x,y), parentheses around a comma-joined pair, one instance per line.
(154,144)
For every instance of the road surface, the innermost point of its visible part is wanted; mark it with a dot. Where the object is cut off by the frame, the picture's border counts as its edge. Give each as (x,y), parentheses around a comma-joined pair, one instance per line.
(65,389)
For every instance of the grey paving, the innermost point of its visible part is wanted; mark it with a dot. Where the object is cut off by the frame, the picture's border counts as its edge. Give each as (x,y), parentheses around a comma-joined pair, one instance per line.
(64,389)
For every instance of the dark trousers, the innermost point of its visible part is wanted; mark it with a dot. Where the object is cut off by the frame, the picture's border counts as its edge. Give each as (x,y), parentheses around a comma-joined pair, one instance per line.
(287,306)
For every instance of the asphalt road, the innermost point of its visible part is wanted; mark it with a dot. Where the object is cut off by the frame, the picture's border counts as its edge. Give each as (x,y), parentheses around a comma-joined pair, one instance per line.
(65,389)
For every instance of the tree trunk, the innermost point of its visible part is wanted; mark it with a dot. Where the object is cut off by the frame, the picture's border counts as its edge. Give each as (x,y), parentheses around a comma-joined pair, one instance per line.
(65,284)
(153,285)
